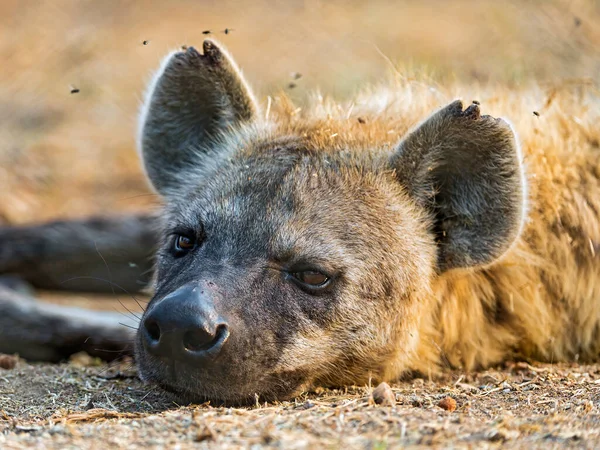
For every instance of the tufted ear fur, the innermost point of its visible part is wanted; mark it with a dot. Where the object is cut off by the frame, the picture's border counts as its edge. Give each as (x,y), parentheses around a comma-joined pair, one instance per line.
(466,169)
(192,100)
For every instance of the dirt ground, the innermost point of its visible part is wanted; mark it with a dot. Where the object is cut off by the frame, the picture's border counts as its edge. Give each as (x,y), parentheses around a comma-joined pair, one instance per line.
(65,154)
(520,405)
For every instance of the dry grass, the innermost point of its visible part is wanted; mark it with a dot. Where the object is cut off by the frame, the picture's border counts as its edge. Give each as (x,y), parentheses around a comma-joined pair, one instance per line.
(67,155)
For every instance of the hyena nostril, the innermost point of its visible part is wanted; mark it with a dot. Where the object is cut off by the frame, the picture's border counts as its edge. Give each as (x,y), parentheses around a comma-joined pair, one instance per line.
(153,330)
(199,340)
(222,334)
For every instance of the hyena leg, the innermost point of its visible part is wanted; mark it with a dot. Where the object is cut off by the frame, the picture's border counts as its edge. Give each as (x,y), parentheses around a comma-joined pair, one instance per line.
(93,255)
(45,332)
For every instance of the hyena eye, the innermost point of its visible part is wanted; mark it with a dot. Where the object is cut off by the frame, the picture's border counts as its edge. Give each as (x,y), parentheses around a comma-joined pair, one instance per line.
(183,244)
(311,278)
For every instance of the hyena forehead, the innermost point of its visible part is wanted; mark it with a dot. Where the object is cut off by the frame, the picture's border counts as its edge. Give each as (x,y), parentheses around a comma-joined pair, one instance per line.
(290,196)
(257,166)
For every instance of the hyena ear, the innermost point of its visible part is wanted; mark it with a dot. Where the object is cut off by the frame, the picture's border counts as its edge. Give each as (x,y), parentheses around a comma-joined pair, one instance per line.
(191,101)
(467,170)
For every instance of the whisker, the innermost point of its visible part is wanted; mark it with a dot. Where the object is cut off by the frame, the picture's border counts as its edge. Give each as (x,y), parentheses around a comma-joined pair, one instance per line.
(112,284)
(140,195)
(124,349)
(126,316)
(128,326)
(138,303)
(130,311)
(105,339)
(145,272)
(116,363)
(106,265)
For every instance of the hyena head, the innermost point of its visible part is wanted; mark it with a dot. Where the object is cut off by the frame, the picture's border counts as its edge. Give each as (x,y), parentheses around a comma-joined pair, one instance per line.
(290,259)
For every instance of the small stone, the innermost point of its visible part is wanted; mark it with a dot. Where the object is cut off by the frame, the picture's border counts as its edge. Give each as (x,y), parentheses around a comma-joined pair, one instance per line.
(383,395)
(8,362)
(205,434)
(447,403)
(416,401)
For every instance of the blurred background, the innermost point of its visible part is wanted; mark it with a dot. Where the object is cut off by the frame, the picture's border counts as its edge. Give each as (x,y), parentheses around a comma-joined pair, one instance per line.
(73,72)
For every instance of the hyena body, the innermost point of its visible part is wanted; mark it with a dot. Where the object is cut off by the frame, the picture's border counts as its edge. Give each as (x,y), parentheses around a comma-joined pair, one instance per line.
(332,245)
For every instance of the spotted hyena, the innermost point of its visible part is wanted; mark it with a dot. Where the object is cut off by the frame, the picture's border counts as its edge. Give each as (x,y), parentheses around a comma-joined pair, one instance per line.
(332,246)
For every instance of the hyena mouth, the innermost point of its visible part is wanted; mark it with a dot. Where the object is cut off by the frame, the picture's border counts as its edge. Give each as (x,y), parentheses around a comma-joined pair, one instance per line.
(270,389)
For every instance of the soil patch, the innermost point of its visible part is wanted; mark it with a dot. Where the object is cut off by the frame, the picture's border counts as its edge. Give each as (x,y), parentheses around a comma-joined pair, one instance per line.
(81,405)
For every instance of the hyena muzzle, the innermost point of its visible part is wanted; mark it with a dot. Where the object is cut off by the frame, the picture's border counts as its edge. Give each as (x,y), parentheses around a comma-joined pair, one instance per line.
(297,251)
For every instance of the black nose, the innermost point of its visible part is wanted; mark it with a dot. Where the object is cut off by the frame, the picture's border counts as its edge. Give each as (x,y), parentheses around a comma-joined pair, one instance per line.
(184,326)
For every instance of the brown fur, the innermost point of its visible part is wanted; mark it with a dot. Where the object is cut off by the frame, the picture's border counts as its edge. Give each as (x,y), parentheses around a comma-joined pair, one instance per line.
(542,300)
